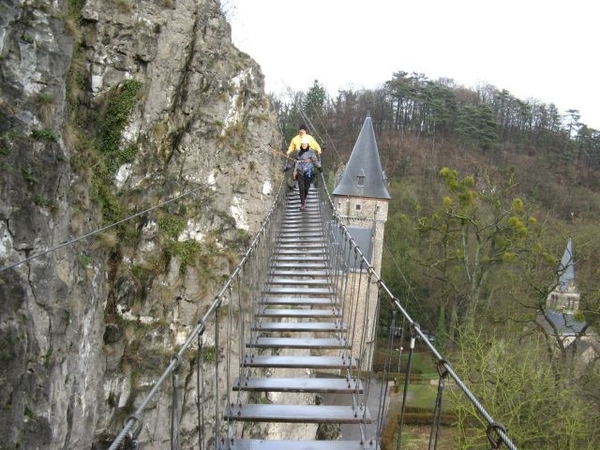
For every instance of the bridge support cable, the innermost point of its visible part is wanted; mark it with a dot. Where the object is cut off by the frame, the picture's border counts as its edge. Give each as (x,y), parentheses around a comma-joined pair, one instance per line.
(366,328)
(387,369)
(346,287)
(407,376)
(200,393)
(175,408)
(360,293)
(345,279)
(437,411)
(235,303)
(353,278)
(350,282)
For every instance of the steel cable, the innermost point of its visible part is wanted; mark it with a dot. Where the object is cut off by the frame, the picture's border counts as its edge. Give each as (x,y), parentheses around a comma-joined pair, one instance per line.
(100,230)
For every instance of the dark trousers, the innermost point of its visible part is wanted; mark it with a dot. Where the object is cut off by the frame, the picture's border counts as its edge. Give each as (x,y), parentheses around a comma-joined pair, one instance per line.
(303,186)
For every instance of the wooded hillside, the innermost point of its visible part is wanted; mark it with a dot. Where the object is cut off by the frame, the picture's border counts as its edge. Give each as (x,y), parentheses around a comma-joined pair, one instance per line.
(486,191)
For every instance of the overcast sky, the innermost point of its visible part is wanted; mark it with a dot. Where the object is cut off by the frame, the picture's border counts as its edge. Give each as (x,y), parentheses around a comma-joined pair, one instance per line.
(543,50)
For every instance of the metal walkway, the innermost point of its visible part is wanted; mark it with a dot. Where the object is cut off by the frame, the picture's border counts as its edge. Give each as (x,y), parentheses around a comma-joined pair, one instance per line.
(299,332)
(282,357)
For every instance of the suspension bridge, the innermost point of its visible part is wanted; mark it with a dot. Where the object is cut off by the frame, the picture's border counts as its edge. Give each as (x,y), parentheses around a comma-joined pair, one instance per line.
(282,359)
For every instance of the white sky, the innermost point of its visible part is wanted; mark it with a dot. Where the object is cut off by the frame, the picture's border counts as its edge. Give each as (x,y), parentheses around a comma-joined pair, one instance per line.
(536,49)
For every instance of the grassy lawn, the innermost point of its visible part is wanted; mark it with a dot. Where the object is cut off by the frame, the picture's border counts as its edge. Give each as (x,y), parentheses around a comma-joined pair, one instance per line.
(417,429)
(420,402)
(417,438)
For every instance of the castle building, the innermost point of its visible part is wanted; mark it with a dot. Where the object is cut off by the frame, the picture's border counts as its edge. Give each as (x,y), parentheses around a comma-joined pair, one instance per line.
(563,301)
(361,201)
(560,318)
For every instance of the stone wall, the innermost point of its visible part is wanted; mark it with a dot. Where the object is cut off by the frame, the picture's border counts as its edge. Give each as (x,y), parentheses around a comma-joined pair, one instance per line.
(371,214)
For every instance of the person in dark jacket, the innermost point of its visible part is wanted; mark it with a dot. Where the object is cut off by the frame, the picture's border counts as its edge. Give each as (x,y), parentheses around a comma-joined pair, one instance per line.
(304,170)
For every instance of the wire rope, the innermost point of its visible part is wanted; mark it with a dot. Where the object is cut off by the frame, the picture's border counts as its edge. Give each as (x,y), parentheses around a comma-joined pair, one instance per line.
(100,230)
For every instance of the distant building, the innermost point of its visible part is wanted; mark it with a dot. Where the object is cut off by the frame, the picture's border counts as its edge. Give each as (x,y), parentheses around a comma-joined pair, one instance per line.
(565,296)
(561,319)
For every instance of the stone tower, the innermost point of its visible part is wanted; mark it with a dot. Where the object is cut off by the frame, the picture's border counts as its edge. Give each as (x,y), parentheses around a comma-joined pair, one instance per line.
(361,200)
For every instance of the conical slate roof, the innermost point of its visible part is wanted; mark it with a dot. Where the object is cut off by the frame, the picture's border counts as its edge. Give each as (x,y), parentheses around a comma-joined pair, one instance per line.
(363,176)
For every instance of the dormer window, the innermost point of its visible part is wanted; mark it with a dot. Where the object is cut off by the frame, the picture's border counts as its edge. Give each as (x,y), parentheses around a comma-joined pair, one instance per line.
(361,178)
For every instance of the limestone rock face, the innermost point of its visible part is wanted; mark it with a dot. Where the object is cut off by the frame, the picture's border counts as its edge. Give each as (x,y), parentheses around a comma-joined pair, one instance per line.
(117,110)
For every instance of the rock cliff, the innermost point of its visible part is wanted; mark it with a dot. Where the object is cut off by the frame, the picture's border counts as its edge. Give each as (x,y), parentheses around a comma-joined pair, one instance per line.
(135,166)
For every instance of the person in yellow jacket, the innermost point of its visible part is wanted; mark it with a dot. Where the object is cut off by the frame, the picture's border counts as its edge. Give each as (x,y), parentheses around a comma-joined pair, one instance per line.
(296,141)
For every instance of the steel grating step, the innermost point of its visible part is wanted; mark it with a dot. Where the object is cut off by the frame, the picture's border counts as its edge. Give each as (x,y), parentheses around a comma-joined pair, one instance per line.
(299,256)
(299,272)
(311,282)
(306,301)
(300,247)
(299,259)
(300,362)
(304,216)
(300,291)
(259,444)
(285,342)
(306,242)
(299,235)
(299,313)
(289,228)
(300,326)
(297,414)
(316,385)
(312,248)
(300,217)
(296,213)
(310,201)
(289,238)
(305,258)
(301,251)
(300,230)
(300,265)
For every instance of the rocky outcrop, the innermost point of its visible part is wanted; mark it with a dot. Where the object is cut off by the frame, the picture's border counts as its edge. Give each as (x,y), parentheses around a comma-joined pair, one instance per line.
(140,113)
